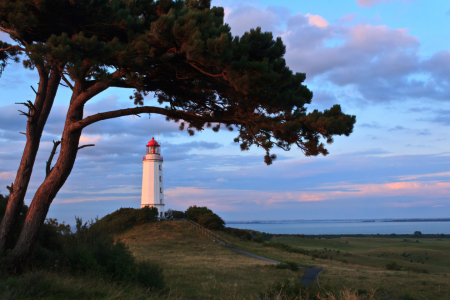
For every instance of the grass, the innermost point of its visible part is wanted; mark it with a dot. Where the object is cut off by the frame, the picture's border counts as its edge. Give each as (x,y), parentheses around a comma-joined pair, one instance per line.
(196,267)
(361,263)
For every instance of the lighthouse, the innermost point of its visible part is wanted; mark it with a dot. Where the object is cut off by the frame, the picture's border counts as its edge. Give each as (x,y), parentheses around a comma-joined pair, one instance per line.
(152,178)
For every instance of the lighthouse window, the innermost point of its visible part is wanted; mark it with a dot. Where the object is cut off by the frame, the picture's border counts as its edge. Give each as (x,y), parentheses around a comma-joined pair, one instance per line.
(160,167)
(160,201)
(160,179)
(160,190)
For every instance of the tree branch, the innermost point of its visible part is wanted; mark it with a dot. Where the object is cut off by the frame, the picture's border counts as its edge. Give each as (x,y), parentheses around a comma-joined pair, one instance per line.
(84,146)
(10,188)
(48,168)
(13,47)
(150,109)
(65,80)
(204,72)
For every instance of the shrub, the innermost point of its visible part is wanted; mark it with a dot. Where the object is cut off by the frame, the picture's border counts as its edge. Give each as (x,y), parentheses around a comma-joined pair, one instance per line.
(393,266)
(211,221)
(178,214)
(125,218)
(240,233)
(194,212)
(288,265)
(258,239)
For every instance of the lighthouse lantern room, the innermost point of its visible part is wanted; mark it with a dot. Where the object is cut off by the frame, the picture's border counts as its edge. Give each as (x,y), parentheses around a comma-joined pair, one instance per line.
(152,178)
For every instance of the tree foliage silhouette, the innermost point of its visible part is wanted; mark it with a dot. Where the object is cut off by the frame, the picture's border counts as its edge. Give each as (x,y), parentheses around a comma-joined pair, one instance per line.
(179,51)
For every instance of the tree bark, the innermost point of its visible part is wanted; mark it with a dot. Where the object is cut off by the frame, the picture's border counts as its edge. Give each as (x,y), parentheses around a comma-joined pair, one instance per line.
(50,187)
(37,118)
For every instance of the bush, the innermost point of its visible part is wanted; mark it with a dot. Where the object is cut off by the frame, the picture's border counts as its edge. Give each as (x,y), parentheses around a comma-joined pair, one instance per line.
(205,217)
(240,233)
(288,265)
(178,214)
(258,239)
(393,266)
(126,218)
(211,221)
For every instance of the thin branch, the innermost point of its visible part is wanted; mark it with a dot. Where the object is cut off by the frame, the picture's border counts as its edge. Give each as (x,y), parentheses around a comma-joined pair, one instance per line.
(6,30)
(65,79)
(13,47)
(34,90)
(23,133)
(63,85)
(84,146)
(10,188)
(204,72)
(48,168)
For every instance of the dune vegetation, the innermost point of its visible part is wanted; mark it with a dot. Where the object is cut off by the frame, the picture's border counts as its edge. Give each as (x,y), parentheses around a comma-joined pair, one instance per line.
(129,255)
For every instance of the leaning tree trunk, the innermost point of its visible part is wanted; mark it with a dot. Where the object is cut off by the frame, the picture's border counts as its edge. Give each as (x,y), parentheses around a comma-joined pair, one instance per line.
(53,182)
(37,117)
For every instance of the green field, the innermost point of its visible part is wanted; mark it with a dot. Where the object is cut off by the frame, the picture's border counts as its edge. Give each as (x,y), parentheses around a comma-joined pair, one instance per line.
(195,267)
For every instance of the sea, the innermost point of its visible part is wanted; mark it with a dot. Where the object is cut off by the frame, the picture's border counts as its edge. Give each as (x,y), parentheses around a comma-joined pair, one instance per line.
(324,227)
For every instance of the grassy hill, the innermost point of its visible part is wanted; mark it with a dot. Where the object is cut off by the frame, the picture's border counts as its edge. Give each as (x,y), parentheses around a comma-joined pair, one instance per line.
(195,266)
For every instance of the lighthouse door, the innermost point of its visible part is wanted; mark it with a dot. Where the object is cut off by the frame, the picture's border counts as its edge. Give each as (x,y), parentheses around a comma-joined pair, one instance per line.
(161,215)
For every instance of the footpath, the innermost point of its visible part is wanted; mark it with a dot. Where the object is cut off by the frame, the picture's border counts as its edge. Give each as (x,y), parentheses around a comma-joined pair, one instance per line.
(309,277)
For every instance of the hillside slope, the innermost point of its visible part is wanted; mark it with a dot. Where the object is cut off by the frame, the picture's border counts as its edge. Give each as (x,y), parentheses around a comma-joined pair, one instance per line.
(195,266)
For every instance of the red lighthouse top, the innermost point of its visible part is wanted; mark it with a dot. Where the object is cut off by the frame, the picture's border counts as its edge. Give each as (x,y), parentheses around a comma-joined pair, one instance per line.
(153,143)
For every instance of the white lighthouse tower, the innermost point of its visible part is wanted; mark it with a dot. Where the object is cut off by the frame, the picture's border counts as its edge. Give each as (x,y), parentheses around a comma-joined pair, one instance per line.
(152,178)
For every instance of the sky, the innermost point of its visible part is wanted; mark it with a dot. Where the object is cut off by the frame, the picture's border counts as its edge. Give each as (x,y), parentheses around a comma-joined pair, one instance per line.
(385,61)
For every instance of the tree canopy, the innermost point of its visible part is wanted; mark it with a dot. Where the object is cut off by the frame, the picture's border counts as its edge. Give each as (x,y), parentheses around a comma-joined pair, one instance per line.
(182,53)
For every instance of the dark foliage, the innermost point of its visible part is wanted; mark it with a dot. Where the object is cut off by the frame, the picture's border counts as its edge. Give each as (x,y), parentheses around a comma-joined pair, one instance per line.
(258,239)
(240,233)
(293,266)
(92,249)
(205,217)
(125,218)
(393,266)
(178,214)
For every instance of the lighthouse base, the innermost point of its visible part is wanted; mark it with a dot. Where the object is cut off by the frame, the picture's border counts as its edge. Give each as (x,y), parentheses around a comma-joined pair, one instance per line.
(159,207)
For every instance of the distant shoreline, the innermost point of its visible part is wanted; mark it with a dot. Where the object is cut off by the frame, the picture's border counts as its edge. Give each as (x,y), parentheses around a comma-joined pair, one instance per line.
(337,221)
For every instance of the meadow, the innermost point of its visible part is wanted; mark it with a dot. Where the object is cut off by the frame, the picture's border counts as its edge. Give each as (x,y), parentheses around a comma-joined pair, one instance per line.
(196,267)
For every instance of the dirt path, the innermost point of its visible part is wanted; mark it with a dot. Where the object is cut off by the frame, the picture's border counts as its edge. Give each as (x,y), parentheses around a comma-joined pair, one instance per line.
(309,277)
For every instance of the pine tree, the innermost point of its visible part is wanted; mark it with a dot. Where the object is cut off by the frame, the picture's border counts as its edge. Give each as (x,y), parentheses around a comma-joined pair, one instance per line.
(180,51)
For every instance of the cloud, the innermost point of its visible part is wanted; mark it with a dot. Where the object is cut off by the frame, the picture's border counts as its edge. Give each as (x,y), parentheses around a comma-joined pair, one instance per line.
(413,177)
(7,175)
(367,3)
(317,20)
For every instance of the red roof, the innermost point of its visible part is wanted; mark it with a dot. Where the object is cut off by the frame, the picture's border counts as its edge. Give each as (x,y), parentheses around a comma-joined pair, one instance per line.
(153,143)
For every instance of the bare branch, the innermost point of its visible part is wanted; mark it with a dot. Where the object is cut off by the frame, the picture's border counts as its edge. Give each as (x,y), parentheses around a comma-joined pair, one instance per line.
(48,168)
(23,133)
(63,85)
(84,146)
(28,115)
(12,48)
(66,81)
(6,30)
(34,90)
(10,188)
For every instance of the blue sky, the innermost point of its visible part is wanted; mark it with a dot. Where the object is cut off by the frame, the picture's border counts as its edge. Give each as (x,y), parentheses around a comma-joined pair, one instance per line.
(384,61)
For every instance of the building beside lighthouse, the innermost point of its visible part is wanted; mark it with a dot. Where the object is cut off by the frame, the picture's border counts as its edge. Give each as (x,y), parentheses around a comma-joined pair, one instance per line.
(152,178)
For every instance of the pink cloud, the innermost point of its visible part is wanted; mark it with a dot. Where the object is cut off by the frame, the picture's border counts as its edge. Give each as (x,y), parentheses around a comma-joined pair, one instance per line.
(317,20)
(7,175)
